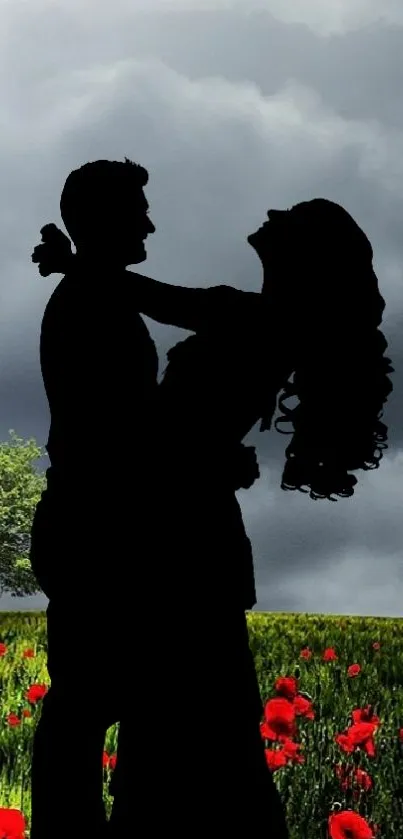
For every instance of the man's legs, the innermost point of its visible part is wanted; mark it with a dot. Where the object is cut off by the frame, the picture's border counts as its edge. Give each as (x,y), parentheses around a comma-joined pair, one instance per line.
(67,780)
(69,555)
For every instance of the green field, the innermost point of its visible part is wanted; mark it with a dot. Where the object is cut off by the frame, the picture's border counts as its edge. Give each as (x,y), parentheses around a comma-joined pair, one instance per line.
(333,729)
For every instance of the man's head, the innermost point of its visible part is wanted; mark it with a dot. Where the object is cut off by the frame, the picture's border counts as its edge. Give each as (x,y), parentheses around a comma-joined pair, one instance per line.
(105,211)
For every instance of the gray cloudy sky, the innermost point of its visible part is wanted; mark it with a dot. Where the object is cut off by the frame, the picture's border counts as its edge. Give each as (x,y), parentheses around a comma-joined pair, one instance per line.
(234,107)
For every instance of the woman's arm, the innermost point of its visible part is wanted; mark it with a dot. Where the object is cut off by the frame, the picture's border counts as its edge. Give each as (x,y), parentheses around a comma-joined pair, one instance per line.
(194,309)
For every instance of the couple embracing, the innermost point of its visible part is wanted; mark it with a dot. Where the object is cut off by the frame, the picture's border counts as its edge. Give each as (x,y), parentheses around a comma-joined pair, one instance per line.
(138,540)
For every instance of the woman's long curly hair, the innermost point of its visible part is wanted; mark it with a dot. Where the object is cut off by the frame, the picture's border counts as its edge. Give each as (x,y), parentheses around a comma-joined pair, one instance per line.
(333,308)
(323,261)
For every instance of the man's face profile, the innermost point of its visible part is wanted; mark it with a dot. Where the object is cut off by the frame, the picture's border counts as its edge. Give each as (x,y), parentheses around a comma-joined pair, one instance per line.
(129,227)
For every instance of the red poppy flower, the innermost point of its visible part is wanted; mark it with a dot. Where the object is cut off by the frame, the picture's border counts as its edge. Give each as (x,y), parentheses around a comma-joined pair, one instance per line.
(12,824)
(265,731)
(360,734)
(291,751)
(286,686)
(12,720)
(303,707)
(329,654)
(349,825)
(280,719)
(275,759)
(36,692)
(365,715)
(350,775)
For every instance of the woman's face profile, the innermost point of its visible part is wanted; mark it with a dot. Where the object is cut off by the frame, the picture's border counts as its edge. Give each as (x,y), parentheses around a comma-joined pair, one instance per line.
(269,239)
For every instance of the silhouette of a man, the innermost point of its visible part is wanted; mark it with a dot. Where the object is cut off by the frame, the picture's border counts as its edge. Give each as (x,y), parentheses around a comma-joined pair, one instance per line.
(99,367)
(89,535)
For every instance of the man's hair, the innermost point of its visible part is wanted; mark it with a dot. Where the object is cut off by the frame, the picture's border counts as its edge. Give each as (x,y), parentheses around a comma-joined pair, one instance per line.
(97,189)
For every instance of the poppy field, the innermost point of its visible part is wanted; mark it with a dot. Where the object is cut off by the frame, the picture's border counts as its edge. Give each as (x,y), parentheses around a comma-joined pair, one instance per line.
(332,690)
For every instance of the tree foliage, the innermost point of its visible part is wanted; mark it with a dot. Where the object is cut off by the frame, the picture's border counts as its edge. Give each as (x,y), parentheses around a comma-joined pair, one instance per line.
(21,485)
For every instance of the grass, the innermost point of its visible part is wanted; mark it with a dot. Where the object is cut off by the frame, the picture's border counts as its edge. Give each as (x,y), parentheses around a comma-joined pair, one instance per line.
(339,770)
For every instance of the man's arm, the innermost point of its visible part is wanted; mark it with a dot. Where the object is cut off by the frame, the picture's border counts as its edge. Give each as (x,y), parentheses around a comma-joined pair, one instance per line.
(194,309)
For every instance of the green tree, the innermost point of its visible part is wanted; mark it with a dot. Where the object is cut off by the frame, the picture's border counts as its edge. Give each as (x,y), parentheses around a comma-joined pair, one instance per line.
(20,490)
